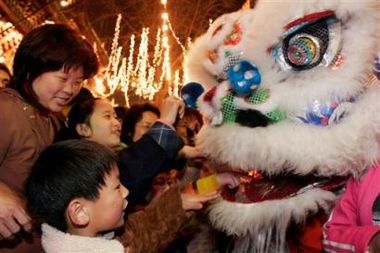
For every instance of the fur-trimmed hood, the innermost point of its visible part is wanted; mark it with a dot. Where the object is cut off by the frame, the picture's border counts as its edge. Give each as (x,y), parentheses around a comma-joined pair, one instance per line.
(55,241)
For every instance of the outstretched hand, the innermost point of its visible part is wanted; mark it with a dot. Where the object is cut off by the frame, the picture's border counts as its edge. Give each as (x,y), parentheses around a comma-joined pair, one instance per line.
(226,178)
(13,216)
(172,107)
(196,201)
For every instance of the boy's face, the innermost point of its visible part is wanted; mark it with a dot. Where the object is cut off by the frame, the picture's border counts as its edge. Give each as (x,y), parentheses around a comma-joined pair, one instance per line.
(107,212)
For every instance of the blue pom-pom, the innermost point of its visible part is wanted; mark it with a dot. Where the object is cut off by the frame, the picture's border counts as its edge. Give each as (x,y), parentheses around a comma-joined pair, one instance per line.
(244,77)
(190,93)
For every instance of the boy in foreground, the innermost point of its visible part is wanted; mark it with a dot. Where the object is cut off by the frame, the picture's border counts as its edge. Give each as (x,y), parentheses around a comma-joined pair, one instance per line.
(74,187)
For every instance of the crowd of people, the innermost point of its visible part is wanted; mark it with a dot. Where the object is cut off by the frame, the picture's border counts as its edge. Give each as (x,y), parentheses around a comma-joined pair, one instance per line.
(90,177)
(51,136)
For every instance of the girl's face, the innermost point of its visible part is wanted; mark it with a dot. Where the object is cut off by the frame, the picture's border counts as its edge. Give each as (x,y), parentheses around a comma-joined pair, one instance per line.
(104,127)
(147,120)
(107,212)
(56,89)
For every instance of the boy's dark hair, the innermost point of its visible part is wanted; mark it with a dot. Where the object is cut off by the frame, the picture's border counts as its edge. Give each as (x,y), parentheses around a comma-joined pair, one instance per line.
(64,171)
(132,116)
(49,48)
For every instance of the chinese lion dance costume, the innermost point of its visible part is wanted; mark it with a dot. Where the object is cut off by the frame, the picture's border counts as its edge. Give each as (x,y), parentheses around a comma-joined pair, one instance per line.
(292,103)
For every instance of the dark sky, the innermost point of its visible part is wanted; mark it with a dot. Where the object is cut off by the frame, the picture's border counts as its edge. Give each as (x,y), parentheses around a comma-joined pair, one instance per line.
(189,18)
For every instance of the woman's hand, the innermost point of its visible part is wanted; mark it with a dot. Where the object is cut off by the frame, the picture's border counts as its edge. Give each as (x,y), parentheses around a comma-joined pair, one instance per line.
(13,216)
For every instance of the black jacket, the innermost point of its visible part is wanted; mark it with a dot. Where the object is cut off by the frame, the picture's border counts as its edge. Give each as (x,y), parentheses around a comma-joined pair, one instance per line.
(143,160)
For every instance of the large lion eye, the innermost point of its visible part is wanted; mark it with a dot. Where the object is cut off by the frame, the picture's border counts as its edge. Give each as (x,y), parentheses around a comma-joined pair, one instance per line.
(309,42)
(303,50)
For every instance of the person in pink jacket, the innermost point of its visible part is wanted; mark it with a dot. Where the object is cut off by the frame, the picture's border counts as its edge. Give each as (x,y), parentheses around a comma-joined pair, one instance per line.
(354,224)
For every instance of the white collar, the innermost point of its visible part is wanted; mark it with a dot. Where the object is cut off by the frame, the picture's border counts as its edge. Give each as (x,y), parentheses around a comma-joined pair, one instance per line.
(56,241)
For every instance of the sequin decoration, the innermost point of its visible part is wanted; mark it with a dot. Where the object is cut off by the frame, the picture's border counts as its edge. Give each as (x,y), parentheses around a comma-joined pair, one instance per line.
(324,113)
(302,50)
(235,36)
(259,97)
(228,108)
(308,42)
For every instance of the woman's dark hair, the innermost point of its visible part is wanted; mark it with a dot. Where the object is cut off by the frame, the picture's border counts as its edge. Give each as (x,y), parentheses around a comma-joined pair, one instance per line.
(190,112)
(120,111)
(83,95)
(49,48)
(132,116)
(4,68)
(80,113)
(65,171)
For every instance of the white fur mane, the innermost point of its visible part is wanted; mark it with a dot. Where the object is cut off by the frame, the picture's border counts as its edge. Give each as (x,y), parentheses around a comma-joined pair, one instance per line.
(349,147)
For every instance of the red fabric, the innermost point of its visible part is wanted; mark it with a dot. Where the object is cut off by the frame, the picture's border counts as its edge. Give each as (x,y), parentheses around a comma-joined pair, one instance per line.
(210,94)
(309,238)
(308,18)
(259,188)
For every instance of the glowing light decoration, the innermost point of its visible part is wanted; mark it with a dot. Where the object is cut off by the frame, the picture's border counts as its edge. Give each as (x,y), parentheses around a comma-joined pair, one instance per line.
(10,38)
(142,75)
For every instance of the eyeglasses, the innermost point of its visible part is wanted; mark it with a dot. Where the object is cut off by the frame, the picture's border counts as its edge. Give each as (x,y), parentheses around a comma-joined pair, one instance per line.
(144,125)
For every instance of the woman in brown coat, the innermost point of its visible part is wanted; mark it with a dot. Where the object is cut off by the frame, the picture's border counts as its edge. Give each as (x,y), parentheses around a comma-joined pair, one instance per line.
(49,67)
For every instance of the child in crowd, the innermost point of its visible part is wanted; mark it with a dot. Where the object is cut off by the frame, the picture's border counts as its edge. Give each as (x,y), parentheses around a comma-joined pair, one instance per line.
(75,188)
(95,119)
(137,120)
(354,225)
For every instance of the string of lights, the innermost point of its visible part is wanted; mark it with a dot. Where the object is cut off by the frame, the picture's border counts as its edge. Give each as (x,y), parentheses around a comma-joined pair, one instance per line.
(147,67)
(145,73)
(9,40)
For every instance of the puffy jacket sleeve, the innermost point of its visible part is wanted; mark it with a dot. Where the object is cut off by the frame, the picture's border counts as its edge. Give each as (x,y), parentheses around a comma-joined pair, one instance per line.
(152,230)
(350,227)
(143,160)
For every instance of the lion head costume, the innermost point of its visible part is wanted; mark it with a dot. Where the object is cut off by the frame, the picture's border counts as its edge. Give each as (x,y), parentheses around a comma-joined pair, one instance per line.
(293,105)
